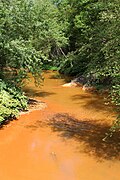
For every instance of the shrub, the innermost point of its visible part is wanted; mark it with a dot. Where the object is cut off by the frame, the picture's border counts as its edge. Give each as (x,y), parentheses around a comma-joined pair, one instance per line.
(12,100)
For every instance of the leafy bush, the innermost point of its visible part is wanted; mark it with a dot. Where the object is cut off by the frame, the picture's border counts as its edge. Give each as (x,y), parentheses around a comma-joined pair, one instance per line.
(12,100)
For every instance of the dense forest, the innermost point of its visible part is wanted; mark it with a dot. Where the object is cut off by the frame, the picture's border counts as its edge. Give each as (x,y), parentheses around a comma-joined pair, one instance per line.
(75,37)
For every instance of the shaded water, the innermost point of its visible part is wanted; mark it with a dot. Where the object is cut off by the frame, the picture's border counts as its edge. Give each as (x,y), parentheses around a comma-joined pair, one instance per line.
(64,140)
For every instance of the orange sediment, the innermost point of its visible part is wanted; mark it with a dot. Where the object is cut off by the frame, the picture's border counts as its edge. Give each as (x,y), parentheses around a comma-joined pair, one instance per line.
(62,141)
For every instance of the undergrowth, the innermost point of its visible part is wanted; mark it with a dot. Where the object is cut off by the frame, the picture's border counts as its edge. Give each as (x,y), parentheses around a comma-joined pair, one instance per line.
(12,101)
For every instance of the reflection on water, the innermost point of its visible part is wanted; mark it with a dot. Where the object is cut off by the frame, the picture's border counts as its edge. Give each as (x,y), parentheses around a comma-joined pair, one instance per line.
(64,140)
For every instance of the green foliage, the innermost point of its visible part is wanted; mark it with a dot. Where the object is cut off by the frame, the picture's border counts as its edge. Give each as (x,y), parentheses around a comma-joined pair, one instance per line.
(12,100)
(94,42)
(52,68)
(28,32)
(116,94)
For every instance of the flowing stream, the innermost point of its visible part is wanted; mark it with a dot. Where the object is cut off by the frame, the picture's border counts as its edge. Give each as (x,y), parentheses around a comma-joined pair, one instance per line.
(63,141)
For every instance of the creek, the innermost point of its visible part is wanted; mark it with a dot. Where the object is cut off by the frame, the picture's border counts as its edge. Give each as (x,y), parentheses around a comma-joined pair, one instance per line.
(63,140)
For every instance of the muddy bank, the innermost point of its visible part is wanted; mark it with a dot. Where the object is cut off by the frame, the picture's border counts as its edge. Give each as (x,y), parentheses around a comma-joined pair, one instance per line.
(88,83)
(33,105)
(85,82)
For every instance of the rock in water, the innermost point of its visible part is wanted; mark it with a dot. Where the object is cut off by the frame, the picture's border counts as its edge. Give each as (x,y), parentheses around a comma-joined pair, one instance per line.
(88,88)
(71,84)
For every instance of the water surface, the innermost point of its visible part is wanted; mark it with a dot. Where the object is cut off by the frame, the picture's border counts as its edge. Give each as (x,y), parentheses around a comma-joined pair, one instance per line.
(64,140)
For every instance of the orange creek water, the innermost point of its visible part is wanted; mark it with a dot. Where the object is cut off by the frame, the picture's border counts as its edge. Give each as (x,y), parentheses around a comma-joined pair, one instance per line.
(62,141)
